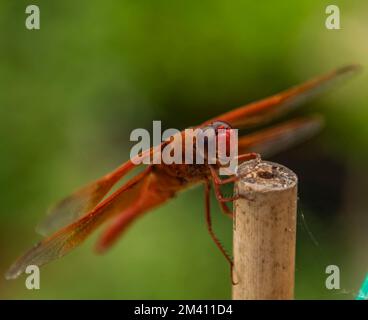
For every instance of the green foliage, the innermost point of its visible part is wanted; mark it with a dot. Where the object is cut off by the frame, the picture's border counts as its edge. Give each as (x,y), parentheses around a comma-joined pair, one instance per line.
(72,92)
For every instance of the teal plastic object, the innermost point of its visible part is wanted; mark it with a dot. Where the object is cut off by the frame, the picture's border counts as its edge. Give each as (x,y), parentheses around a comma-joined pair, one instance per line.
(363,292)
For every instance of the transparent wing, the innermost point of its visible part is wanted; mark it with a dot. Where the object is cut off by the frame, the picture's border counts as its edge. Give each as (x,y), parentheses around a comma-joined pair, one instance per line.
(266,109)
(63,241)
(85,199)
(275,139)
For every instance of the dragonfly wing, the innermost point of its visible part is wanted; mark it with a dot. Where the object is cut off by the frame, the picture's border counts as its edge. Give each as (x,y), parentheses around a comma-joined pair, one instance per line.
(85,199)
(267,109)
(63,241)
(74,206)
(157,190)
(273,140)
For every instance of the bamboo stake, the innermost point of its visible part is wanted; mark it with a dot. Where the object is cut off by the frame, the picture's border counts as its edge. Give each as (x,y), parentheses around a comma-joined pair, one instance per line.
(264,232)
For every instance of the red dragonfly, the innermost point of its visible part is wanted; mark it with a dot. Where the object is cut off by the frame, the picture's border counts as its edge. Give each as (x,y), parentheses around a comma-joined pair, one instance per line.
(79,214)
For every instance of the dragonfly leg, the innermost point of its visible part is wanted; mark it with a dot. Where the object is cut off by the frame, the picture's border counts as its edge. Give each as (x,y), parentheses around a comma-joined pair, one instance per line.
(219,196)
(241,158)
(248,156)
(210,229)
(217,182)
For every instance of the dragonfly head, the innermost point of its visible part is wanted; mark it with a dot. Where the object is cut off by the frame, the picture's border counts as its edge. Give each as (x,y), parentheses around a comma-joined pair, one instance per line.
(217,136)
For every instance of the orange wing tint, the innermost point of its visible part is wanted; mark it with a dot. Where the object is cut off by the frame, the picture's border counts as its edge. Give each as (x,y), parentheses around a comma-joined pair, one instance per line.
(63,241)
(271,107)
(85,199)
(280,137)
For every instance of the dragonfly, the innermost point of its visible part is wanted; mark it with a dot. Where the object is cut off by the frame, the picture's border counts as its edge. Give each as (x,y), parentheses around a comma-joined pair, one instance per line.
(75,217)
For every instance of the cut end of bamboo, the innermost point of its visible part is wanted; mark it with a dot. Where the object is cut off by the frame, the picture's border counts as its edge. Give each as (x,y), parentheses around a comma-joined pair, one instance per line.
(264,231)
(265,176)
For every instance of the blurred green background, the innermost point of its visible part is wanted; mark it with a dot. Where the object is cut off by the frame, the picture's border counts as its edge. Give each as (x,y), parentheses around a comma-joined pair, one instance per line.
(71,93)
